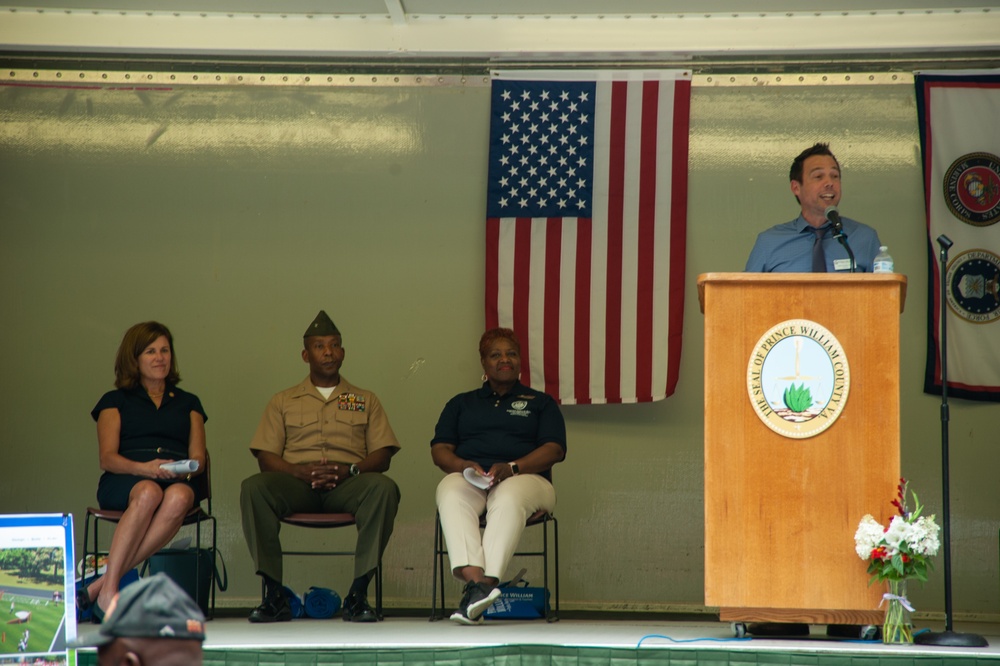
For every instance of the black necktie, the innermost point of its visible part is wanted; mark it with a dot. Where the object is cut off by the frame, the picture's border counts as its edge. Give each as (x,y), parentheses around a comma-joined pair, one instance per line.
(819,259)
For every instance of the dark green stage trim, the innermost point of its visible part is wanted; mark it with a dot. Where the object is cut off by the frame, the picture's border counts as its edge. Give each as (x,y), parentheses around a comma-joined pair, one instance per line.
(545,655)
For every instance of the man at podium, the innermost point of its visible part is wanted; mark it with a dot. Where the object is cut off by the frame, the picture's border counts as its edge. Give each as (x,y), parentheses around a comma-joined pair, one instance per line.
(810,243)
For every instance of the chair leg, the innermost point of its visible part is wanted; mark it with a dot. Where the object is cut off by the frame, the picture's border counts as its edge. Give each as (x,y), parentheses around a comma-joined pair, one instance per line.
(97,547)
(434,570)
(215,555)
(378,591)
(86,536)
(555,534)
(437,613)
(197,564)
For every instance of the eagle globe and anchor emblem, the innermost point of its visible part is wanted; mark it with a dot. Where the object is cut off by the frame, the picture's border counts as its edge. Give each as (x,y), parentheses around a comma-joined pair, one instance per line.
(972,192)
(798,378)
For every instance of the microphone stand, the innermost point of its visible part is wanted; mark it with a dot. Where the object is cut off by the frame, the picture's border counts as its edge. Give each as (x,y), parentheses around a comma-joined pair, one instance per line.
(838,233)
(947,638)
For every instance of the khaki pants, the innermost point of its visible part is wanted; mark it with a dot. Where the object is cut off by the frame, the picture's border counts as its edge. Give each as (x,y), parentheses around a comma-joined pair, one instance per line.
(507,506)
(266,497)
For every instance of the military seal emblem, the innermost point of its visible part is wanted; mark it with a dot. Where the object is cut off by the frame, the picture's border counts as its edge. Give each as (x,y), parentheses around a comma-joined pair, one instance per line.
(974,286)
(972,189)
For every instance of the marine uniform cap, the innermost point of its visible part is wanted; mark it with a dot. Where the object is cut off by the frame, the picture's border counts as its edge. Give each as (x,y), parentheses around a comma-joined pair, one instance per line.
(321,325)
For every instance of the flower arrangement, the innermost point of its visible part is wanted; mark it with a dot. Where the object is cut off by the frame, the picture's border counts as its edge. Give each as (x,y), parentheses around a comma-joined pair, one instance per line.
(897,553)
(902,550)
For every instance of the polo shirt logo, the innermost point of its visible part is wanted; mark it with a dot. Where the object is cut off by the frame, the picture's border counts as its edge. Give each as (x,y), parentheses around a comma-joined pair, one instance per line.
(519,408)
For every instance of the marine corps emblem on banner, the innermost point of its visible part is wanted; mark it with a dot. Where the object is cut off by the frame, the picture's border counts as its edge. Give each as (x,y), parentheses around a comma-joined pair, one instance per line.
(972,189)
(798,378)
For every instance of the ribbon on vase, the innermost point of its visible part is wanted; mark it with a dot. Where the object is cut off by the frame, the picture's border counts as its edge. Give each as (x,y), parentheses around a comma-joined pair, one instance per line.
(888,596)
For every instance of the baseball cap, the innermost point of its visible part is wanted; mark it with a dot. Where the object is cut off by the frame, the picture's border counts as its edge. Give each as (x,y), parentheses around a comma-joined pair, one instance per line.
(153,607)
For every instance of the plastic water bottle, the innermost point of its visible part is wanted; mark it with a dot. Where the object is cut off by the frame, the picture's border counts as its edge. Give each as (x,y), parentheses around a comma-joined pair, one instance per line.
(883,260)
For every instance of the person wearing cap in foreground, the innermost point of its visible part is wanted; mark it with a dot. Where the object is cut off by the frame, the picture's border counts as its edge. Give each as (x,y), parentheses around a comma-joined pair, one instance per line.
(150,622)
(322,447)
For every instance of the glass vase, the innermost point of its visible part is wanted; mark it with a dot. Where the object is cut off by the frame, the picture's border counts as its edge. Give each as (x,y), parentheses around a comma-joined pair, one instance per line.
(898,626)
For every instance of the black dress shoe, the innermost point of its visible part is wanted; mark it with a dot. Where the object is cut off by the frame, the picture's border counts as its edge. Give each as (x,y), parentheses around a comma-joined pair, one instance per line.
(272,610)
(356,609)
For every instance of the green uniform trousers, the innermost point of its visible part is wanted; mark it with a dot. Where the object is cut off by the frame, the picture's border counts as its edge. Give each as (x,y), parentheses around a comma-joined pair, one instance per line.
(266,497)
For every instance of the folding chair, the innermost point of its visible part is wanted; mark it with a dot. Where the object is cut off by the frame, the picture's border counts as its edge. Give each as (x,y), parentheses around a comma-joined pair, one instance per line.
(543,518)
(195,516)
(332,521)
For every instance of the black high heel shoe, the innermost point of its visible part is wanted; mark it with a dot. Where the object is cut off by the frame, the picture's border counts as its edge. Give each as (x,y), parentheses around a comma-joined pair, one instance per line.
(83,601)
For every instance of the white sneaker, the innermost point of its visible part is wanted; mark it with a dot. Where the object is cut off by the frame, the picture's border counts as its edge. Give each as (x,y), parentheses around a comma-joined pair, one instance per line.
(475,600)
(459,617)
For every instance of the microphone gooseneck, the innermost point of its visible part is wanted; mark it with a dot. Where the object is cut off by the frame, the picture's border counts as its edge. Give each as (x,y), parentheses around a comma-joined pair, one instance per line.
(833,215)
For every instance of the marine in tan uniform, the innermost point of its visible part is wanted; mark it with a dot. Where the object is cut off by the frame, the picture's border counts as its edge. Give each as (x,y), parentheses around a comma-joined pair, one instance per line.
(322,447)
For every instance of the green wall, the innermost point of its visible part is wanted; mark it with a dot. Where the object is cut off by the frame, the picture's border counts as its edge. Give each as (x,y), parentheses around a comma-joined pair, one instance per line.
(233,214)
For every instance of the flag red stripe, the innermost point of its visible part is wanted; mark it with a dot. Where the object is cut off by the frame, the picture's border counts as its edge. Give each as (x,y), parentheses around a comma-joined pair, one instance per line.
(646,239)
(582,290)
(522,286)
(616,200)
(492,272)
(678,229)
(552,289)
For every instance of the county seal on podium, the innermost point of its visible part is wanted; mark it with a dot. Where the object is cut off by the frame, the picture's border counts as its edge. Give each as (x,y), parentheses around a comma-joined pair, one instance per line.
(798,378)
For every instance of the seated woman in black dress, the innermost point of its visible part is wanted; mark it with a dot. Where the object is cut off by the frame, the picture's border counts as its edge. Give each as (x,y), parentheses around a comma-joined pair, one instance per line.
(510,436)
(145,422)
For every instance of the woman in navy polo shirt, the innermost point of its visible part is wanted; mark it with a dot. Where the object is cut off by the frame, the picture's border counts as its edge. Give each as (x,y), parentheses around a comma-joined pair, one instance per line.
(497,445)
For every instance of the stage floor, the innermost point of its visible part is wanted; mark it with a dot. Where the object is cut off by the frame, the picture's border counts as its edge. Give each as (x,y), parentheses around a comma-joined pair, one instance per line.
(412,632)
(622,640)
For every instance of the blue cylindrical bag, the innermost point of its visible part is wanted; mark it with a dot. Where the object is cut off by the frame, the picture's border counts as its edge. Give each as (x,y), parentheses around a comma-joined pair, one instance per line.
(295,602)
(321,603)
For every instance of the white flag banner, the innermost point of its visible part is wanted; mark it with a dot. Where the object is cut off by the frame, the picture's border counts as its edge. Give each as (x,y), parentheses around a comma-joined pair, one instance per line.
(960,140)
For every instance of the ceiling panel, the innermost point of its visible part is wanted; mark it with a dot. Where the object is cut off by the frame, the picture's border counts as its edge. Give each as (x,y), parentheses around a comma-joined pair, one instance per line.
(653,31)
(509,8)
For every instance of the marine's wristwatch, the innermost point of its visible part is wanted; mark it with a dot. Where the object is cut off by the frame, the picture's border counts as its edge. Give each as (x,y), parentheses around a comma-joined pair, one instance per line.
(514,469)
(354,470)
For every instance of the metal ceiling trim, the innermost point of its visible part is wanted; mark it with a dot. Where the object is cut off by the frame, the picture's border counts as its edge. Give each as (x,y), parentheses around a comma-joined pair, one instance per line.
(165,80)
(105,70)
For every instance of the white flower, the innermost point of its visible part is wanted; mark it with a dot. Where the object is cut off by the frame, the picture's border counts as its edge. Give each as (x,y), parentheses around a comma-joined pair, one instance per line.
(868,536)
(898,533)
(923,537)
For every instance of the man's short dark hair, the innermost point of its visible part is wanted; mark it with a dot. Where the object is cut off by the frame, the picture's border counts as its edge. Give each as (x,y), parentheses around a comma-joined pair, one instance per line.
(795,173)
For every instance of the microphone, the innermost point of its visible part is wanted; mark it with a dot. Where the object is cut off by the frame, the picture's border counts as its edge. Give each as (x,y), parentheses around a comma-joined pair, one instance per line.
(838,232)
(834,217)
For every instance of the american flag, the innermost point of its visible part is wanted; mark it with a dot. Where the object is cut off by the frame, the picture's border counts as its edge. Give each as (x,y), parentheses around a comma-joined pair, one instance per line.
(586,225)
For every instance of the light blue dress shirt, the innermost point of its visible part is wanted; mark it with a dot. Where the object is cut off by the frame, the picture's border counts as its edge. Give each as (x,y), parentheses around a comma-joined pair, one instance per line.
(787,248)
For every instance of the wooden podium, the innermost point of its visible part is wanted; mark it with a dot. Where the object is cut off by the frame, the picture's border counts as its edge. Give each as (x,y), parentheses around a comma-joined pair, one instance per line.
(780,511)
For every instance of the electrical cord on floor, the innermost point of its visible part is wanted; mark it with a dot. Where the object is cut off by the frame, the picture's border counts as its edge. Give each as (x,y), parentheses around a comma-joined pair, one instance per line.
(691,640)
